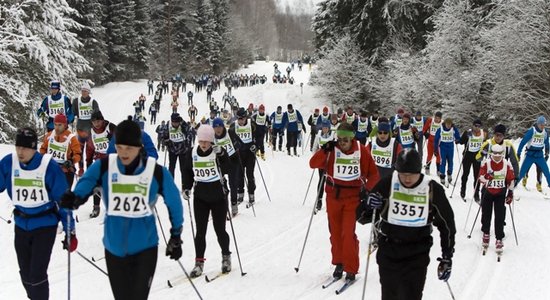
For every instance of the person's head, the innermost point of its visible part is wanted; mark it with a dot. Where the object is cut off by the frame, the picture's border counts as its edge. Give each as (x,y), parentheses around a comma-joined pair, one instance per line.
(499,132)
(334,119)
(218,126)
(325,110)
(541,122)
(97,119)
(363,116)
(345,134)
(400,112)
(448,122)
(476,126)
(205,136)
(438,116)
(349,110)
(261,109)
(175,120)
(383,133)
(55,86)
(497,153)
(375,114)
(408,166)
(163,122)
(406,119)
(251,107)
(289,108)
(279,109)
(325,127)
(339,112)
(85,90)
(418,115)
(213,114)
(60,124)
(316,112)
(26,143)
(241,116)
(128,141)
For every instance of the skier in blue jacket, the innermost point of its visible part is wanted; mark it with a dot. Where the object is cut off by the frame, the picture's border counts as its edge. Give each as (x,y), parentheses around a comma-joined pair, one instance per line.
(35,183)
(54,104)
(293,123)
(148,144)
(535,141)
(131,184)
(444,140)
(277,129)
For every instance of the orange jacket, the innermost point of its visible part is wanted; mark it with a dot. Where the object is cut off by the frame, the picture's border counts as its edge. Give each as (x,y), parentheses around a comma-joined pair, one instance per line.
(369,172)
(73,153)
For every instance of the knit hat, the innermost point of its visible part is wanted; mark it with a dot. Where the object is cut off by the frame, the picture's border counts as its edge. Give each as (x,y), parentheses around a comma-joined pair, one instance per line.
(383,120)
(86,87)
(218,122)
(289,106)
(60,118)
(418,113)
(251,106)
(128,133)
(261,107)
(477,122)
(175,117)
(325,109)
(241,113)
(438,114)
(316,110)
(541,120)
(97,115)
(55,84)
(205,133)
(400,111)
(384,126)
(26,137)
(500,129)
(325,123)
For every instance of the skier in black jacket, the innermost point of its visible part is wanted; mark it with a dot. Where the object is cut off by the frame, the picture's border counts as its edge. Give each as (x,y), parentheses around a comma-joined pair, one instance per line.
(409,203)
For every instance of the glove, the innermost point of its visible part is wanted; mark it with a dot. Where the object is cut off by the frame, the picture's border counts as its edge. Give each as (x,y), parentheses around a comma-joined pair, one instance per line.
(375,200)
(329,146)
(519,157)
(489,176)
(80,172)
(444,268)
(426,135)
(69,165)
(186,195)
(70,242)
(510,197)
(484,152)
(252,148)
(217,149)
(546,156)
(361,212)
(70,201)
(173,249)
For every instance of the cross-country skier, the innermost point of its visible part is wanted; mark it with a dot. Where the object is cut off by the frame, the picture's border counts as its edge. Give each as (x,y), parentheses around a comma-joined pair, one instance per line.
(84,106)
(418,123)
(445,138)
(430,128)
(361,125)
(131,183)
(277,129)
(245,131)
(54,104)
(313,127)
(229,143)
(406,133)
(178,141)
(395,121)
(535,141)
(35,183)
(472,139)
(408,203)
(262,124)
(202,173)
(291,120)
(384,149)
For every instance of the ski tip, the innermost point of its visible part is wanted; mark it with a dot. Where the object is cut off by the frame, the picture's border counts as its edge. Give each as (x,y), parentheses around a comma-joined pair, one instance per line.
(169,284)
(206,278)
(469,236)
(243,273)
(296,269)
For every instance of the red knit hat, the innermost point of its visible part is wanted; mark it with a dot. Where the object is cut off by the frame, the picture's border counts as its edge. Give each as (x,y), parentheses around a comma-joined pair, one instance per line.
(60,118)
(262,107)
(325,109)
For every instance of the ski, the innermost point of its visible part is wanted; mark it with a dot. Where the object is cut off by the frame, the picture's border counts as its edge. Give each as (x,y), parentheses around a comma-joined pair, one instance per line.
(345,286)
(329,282)
(249,205)
(177,280)
(210,279)
(484,249)
(96,259)
(499,254)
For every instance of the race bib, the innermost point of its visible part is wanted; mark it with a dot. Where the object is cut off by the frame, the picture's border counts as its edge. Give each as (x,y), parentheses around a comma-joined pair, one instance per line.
(408,207)
(205,169)
(244,133)
(29,186)
(347,167)
(175,135)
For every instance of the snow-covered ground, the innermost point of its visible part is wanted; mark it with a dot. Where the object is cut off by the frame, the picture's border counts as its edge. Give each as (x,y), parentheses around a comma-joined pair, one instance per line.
(270,243)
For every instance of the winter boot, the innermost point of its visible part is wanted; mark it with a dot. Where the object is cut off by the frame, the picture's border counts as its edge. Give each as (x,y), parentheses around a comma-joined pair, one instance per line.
(485,240)
(338,271)
(524,181)
(95,211)
(499,245)
(262,155)
(539,188)
(350,276)
(240,198)
(442,180)
(450,179)
(226,263)
(234,209)
(197,270)
(258,153)
(251,199)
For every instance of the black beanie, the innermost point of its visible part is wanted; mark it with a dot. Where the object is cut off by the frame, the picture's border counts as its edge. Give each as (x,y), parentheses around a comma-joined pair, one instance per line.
(500,129)
(26,137)
(97,115)
(128,133)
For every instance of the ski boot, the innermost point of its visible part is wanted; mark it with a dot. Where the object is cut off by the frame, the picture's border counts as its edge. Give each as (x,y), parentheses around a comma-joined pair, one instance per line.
(226,263)
(524,181)
(95,212)
(240,198)
(338,271)
(262,155)
(477,199)
(197,270)
(258,153)
(427,169)
(449,179)
(499,246)
(463,195)
(539,187)
(250,200)
(234,209)
(485,242)
(350,276)
(442,180)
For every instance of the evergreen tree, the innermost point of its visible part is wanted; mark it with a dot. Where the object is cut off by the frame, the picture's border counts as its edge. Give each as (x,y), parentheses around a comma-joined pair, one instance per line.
(205,54)
(143,40)
(121,37)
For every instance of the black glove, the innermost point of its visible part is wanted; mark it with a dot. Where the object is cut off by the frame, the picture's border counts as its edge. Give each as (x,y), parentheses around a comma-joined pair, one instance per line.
(70,200)
(361,215)
(444,268)
(329,146)
(173,249)
(546,156)
(374,201)
(426,135)
(68,164)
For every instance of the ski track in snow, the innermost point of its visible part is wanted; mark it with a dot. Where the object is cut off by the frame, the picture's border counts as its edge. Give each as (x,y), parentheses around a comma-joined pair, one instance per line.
(270,244)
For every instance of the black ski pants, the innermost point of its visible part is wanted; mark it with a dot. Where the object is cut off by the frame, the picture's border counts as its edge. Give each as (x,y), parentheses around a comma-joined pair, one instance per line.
(321,185)
(402,268)
(312,136)
(246,173)
(153,117)
(260,136)
(33,249)
(489,203)
(234,174)
(291,140)
(469,161)
(131,276)
(202,211)
(172,158)
(277,133)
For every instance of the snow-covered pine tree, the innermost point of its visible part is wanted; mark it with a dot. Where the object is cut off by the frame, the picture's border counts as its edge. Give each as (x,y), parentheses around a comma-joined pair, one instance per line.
(205,55)
(220,9)
(121,38)
(143,40)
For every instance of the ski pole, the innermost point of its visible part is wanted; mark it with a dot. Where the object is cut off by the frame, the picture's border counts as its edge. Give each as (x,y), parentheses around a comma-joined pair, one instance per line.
(308,186)
(457,174)
(369,253)
(191,219)
(308,228)
(265,186)
(475,220)
(160,224)
(513,224)
(189,278)
(92,263)
(235,240)
(68,240)
(450,290)
(245,180)
(5,220)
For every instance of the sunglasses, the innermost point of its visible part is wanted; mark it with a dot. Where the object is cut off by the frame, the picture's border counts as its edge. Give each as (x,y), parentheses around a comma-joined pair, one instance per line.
(497,153)
(383,132)
(477,125)
(344,139)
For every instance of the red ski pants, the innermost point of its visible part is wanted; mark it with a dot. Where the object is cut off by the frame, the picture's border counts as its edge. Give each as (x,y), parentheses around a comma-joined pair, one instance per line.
(341,222)
(431,152)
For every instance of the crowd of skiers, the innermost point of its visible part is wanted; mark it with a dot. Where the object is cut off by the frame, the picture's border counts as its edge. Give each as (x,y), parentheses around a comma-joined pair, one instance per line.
(370,169)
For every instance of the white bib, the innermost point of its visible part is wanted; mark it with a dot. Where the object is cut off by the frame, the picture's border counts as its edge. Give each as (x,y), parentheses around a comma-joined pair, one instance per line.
(59,150)
(129,194)
(406,136)
(434,127)
(227,144)
(29,186)
(474,142)
(278,118)
(244,132)
(260,119)
(56,106)
(373,123)
(85,109)
(175,134)
(398,121)
(447,135)
(408,207)
(325,118)
(382,156)
(347,167)
(349,118)
(205,168)
(419,125)
(101,141)
(292,117)
(324,139)
(499,177)
(538,139)
(362,126)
